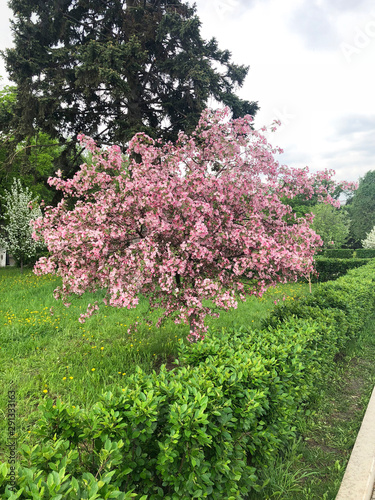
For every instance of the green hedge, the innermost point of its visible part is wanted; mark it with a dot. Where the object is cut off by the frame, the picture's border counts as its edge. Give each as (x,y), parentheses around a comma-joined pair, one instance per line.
(337,253)
(347,303)
(200,430)
(205,428)
(347,253)
(365,253)
(330,269)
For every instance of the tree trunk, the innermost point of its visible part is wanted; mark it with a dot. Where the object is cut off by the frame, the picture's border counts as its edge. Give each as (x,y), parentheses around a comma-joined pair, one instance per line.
(192,326)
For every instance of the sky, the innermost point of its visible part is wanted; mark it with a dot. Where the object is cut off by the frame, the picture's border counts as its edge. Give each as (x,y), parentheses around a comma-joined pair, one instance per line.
(312,66)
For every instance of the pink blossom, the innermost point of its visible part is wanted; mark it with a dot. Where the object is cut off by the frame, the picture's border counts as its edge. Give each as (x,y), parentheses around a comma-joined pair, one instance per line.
(183,225)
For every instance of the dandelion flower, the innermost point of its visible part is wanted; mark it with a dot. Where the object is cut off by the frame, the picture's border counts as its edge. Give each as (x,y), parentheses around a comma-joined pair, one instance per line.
(92,369)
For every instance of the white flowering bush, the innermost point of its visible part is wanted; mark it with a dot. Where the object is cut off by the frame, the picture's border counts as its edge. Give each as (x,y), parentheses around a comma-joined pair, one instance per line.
(369,241)
(19,209)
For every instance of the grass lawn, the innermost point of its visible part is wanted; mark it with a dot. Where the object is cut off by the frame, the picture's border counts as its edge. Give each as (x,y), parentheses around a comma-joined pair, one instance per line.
(53,355)
(47,353)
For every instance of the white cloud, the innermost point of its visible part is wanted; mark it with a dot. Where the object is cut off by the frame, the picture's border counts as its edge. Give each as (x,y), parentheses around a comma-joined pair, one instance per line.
(298,70)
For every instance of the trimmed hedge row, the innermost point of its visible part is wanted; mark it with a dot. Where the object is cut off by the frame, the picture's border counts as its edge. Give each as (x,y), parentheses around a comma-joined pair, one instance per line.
(365,253)
(347,303)
(348,253)
(337,253)
(330,269)
(205,428)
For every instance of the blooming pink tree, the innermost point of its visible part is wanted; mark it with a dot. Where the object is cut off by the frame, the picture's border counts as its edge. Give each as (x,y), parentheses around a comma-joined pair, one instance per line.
(184,223)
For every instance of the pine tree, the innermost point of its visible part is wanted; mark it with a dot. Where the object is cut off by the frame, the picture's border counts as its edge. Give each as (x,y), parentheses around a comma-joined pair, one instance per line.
(111,68)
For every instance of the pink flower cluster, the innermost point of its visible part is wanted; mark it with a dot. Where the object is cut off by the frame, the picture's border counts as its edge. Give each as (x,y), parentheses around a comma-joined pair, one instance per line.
(184,224)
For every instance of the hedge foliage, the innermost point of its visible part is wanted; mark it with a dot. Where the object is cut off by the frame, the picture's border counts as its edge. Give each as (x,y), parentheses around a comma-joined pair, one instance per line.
(347,253)
(337,253)
(330,269)
(205,428)
(365,253)
(346,303)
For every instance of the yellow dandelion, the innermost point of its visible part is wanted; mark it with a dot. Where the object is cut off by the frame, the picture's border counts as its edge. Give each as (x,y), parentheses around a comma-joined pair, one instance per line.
(92,369)
(45,390)
(71,378)
(101,348)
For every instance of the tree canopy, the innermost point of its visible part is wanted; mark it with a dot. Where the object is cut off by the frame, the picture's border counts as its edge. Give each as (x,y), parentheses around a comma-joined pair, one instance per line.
(369,241)
(184,225)
(304,203)
(20,209)
(33,159)
(8,97)
(361,208)
(332,225)
(112,68)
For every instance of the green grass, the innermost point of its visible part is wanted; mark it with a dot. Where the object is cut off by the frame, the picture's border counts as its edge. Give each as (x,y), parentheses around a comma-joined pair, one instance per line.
(53,355)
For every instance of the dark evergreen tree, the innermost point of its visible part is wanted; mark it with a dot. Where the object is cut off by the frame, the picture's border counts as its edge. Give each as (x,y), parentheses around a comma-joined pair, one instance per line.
(361,208)
(111,68)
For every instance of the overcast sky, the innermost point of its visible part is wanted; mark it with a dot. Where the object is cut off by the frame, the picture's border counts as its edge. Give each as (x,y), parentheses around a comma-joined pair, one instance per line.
(312,66)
